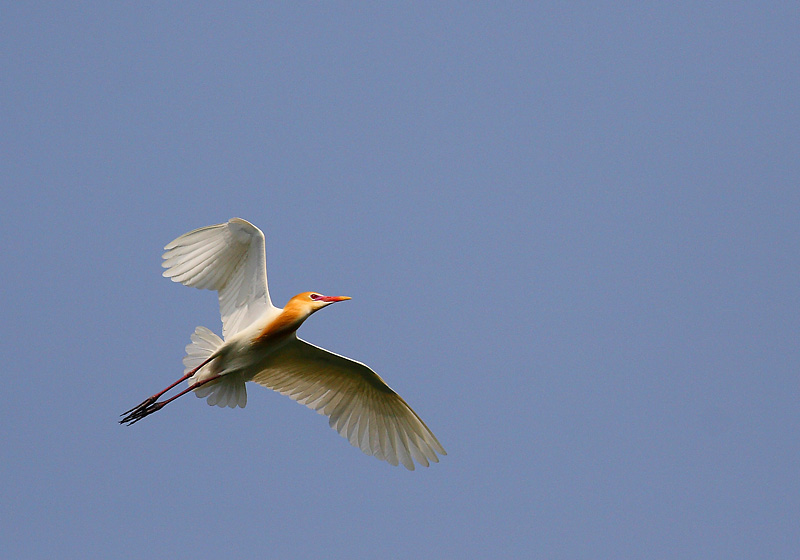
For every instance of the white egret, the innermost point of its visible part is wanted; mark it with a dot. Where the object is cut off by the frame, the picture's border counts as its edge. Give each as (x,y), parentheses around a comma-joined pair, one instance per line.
(261,345)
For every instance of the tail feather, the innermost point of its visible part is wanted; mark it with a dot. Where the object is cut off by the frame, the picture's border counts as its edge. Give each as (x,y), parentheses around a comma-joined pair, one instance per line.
(229,390)
(204,343)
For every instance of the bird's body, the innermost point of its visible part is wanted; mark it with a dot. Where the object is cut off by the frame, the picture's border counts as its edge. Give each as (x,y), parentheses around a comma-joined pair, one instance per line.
(261,345)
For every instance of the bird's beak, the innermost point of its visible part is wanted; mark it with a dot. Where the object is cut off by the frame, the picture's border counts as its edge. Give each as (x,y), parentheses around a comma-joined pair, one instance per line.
(333,299)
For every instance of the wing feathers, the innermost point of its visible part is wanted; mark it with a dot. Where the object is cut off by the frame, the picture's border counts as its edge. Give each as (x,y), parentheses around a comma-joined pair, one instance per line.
(230,259)
(182,263)
(359,404)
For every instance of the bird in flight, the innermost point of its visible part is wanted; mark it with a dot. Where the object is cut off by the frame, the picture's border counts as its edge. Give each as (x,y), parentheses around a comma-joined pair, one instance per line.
(261,345)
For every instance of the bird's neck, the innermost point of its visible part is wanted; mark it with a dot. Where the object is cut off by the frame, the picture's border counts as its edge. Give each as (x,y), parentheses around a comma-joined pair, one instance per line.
(286,323)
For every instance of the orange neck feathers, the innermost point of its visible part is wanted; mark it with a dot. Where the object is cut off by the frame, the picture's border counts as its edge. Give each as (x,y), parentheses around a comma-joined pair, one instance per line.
(297,310)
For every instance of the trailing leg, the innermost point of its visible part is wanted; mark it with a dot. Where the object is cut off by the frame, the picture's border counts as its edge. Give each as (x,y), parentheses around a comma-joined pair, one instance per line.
(150,400)
(148,408)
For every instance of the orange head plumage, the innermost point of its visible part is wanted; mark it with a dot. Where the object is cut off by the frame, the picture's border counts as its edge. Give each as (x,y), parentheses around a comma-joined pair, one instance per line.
(297,310)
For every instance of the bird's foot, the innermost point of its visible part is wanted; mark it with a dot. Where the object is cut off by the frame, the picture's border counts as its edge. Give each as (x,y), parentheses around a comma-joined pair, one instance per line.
(144,404)
(147,408)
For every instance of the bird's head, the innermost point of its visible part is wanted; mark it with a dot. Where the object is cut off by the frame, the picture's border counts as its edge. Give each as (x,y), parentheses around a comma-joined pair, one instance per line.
(313,301)
(297,310)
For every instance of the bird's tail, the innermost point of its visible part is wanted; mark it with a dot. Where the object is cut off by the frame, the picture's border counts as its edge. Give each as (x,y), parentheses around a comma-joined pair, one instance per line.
(229,390)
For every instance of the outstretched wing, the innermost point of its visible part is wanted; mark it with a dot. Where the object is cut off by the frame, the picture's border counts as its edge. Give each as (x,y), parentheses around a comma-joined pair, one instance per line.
(229,258)
(361,406)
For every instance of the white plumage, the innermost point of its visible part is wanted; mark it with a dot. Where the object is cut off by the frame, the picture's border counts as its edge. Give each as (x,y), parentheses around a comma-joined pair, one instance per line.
(260,344)
(230,259)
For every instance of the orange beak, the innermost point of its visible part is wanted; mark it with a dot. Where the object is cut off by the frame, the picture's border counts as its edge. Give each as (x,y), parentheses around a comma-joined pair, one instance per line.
(334,298)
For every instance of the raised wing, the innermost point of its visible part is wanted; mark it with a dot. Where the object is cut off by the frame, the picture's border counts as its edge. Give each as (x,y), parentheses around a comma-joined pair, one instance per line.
(361,406)
(229,258)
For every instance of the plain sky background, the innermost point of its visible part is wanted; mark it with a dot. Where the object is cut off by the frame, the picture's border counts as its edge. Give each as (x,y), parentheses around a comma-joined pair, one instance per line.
(570,230)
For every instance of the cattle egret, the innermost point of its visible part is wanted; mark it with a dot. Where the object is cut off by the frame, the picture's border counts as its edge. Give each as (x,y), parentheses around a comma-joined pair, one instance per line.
(261,345)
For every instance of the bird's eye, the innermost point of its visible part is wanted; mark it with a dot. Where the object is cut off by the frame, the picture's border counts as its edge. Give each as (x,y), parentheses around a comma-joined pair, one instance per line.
(315,296)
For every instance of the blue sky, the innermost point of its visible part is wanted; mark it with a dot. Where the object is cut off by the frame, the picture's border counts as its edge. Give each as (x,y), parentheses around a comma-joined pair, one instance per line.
(571,236)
